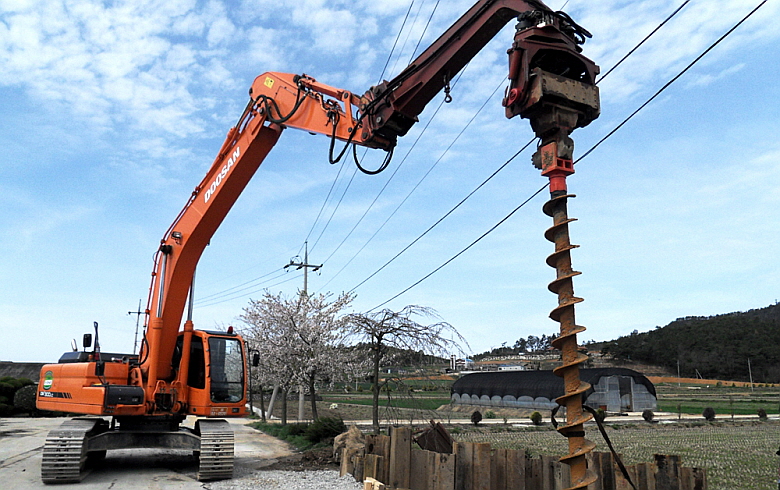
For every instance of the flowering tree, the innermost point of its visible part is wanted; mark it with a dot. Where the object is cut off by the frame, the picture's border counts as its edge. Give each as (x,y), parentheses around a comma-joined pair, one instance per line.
(300,339)
(399,330)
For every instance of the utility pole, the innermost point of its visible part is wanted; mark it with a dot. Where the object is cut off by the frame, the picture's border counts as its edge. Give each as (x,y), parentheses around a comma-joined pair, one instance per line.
(305,265)
(137,314)
(678,373)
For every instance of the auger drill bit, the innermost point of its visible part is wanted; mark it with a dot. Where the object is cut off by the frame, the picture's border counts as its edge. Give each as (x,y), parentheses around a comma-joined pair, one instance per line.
(553,85)
(554,158)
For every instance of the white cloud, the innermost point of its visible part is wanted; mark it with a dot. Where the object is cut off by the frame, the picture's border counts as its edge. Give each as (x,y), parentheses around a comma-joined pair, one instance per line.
(220,32)
(333,30)
(110,64)
(618,26)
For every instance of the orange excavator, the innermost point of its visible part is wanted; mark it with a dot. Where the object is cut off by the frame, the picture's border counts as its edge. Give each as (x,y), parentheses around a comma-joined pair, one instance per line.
(141,401)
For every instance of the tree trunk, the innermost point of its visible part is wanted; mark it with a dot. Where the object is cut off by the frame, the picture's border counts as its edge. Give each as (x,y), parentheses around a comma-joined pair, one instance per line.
(375,389)
(313,395)
(284,406)
(262,404)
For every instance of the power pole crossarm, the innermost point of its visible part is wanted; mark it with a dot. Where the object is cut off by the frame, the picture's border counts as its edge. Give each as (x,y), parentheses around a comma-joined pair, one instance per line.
(305,265)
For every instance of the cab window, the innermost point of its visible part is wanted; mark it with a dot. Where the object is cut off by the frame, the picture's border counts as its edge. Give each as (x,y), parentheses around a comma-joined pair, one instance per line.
(227,370)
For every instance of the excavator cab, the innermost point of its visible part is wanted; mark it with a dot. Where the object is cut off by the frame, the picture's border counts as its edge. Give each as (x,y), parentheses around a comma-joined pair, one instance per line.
(215,373)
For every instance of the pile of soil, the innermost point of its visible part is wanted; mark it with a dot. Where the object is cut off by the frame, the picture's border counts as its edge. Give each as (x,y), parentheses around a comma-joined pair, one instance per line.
(314,459)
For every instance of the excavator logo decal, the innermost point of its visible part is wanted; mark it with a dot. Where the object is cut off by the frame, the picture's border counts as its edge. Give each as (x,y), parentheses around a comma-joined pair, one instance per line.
(221,175)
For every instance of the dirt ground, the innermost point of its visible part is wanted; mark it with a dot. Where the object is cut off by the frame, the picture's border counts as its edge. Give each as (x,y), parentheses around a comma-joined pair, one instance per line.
(22,438)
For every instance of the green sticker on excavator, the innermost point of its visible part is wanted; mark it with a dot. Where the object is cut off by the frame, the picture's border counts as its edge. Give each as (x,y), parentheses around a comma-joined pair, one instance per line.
(48,380)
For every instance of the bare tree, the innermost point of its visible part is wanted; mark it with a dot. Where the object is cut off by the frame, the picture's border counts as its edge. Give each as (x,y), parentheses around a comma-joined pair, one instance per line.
(300,339)
(389,328)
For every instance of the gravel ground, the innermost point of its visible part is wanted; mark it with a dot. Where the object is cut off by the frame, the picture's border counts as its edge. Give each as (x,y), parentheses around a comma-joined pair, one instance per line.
(288,480)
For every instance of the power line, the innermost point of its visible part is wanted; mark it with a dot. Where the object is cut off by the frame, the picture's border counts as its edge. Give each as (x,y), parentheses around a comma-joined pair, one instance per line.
(296,276)
(322,208)
(624,58)
(423,32)
(227,291)
(667,84)
(446,214)
(396,41)
(464,250)
(389,57)
(240,292)
(336,208)
(718,41)
(408,33)
(376,198)
(426,175)
(395,171)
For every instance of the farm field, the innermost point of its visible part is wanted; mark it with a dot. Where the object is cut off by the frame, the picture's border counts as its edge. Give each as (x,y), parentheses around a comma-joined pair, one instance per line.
(736,455)
(724,400)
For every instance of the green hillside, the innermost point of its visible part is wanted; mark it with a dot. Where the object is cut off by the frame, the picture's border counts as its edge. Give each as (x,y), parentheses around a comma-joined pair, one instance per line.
(716,347)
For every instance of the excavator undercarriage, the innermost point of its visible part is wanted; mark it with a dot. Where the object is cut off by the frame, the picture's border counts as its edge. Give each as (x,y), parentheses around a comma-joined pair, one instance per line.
(70,449)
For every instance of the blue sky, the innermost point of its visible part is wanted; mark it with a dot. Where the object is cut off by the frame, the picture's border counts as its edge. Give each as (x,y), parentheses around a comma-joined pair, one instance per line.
(111,112)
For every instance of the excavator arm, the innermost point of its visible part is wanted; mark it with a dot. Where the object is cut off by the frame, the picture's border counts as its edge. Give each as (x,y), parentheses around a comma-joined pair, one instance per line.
(544,40)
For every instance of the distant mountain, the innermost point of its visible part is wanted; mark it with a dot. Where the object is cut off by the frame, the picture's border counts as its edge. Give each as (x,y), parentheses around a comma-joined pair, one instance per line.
(715,347)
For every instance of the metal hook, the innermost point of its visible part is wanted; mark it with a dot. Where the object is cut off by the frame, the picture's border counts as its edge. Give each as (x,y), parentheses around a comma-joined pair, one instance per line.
(447,88)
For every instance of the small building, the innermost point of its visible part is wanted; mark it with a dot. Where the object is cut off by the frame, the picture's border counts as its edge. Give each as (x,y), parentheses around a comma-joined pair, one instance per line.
(511,367)
(612,389)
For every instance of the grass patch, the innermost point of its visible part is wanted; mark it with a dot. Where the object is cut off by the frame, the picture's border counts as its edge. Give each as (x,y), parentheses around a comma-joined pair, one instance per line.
(303,437)
(415,403)
(722,407)
(290,433)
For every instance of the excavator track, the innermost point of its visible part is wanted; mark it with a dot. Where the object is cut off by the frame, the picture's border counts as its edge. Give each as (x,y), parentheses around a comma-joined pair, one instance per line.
(216,450)
(65,450)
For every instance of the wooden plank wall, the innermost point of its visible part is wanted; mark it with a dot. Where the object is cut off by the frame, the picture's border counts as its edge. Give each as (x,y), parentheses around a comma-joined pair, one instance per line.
(393,461)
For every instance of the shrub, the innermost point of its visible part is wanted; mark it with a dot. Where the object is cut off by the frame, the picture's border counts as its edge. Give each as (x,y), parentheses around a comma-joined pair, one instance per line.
(7,389)
(648,415)
(324,428)
(296,429)
(24,399)
(490,414)
(708,414)
(476,417)
(536,418)
(762,414)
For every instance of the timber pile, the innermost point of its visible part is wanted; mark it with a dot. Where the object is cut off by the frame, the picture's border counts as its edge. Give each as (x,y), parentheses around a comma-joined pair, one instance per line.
(390,462)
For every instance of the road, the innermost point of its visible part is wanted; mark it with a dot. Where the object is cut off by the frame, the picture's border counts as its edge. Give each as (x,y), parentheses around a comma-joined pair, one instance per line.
(21,440)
